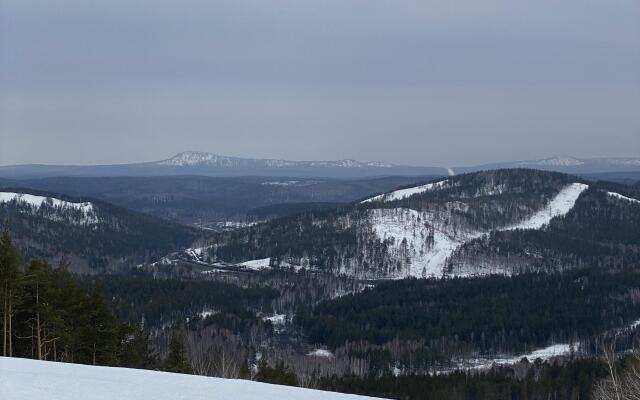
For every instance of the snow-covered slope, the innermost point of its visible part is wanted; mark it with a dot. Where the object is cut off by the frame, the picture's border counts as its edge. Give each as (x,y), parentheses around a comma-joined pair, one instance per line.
(38,201)
(22,379)
(81,213)
(408,192)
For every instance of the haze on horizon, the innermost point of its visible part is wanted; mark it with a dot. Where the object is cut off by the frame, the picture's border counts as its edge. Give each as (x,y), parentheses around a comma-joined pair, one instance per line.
(425,82)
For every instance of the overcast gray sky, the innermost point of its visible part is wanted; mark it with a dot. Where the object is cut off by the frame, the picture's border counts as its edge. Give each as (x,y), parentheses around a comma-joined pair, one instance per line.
(414,82)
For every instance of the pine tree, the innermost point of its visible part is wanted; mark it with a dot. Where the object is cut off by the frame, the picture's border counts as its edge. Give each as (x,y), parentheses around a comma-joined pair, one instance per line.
(37,305)
(10,277)
(177,359)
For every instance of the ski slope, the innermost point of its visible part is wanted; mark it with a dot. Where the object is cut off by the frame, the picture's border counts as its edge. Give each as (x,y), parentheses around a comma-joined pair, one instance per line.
(560,205)
(22,379)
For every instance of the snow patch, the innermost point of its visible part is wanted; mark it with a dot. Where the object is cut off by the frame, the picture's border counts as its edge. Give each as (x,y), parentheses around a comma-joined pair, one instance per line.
(621,197)
(408,192)
(276,319)
(544,354)
(409,230)
(256,265)
(321,353)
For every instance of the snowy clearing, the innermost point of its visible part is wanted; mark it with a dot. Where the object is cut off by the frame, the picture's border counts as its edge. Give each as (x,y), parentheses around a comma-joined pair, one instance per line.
(22,379)
(402,224)
(544,354)
(256,264)
(321,353)
(408,192)
(621,197)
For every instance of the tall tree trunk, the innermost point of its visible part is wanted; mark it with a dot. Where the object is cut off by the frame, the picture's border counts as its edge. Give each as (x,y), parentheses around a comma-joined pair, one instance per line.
(38,327)
(4,324)
(10,328)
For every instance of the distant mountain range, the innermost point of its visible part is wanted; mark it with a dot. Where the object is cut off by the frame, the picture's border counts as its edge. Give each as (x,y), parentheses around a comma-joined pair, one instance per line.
(208,164)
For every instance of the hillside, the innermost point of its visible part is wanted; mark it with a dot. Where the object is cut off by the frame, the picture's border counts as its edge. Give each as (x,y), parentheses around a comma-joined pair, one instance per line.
(95,236)
(22,379)
(504,221)
(210,201)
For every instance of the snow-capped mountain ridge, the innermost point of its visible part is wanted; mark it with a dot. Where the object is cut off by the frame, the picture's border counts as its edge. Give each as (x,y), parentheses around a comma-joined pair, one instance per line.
(198,158)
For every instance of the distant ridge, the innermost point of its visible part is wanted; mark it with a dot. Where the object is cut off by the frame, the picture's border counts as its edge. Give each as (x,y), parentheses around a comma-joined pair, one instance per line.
(210,164)
(566,164)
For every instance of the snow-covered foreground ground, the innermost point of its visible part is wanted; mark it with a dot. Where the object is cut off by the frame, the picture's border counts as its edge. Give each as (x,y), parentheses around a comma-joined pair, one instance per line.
(22,379)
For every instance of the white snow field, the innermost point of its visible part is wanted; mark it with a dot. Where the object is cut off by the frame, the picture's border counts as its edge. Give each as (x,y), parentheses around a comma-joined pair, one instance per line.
(22,379)
(408,192)
(545,354)
(408,224)
(257,265)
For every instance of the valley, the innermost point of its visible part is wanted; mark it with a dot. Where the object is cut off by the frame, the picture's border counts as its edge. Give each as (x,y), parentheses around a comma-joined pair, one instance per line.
(474,274)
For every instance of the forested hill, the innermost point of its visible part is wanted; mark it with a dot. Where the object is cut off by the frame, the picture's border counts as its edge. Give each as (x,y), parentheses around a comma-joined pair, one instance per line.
(504,221)
(95,236)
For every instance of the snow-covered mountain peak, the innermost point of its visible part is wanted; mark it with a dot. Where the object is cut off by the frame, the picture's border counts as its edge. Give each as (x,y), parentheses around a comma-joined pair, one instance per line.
(191,158)
(199,158)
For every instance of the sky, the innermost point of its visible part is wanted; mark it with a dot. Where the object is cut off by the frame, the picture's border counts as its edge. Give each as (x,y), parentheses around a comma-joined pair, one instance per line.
(425,82)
